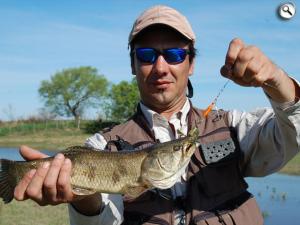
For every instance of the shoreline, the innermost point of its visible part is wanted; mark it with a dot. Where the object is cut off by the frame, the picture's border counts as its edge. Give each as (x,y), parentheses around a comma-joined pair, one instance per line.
(292,168)
(56,140)
(59,139)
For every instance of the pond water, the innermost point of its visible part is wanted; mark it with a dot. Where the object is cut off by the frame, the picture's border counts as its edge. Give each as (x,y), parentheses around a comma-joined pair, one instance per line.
(13,153)
(277,195)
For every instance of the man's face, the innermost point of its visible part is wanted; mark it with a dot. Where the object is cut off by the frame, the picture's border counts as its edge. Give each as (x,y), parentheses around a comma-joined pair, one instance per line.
(162,85)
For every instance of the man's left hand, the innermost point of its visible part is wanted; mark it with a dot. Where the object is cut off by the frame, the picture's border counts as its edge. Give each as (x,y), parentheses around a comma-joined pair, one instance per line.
(249,66)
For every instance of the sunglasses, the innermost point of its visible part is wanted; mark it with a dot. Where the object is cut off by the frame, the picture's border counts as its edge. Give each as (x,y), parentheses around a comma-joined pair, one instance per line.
(171,55)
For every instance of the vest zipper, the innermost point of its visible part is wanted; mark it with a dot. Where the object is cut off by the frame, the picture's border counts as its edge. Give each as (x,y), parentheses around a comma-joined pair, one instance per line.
(208,215)
(203,216)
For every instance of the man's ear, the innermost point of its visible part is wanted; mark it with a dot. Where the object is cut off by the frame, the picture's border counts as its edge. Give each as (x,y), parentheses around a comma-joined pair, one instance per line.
(132,63)
(191,69)
(133,72)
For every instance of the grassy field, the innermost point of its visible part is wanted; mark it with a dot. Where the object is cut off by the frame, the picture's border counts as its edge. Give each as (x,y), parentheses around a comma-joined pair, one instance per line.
(51,140)
(30,213)
(293,167)
(53,135)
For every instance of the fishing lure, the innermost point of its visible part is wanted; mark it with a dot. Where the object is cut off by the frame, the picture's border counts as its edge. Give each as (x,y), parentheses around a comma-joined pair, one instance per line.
(213,103)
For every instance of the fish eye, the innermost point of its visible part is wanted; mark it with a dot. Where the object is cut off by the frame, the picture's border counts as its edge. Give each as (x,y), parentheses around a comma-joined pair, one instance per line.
(177,147)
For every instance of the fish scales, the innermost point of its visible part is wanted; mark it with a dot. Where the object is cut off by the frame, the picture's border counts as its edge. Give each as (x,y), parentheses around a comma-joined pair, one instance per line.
(124,172)
(107,172)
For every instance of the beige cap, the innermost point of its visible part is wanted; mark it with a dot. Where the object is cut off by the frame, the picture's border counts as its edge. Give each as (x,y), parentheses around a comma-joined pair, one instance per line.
(161,14)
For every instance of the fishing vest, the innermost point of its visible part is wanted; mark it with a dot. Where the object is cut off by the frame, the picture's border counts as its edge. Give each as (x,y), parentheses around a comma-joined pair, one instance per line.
(216,190)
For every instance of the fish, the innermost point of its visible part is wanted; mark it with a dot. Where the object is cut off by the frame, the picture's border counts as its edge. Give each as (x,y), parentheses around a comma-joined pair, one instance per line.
(129,172)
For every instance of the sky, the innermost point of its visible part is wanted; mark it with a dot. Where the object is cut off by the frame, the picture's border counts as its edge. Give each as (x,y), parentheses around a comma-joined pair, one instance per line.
(40,38)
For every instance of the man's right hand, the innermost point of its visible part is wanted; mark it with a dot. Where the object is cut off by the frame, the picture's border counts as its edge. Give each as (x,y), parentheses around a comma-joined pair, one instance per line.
(49,184)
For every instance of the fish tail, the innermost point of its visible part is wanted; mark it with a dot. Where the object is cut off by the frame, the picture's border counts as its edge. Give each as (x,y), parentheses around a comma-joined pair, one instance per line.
(6,186)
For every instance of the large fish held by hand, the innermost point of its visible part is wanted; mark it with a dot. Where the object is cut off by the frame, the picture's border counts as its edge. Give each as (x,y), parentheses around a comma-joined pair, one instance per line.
(124,172)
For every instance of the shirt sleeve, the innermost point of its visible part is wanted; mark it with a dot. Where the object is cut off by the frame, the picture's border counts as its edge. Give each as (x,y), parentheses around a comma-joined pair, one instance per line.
(268,138)
(112,213)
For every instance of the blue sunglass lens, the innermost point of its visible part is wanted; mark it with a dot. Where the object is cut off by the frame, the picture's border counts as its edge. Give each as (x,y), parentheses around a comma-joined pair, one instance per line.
(146,55)
(172,55)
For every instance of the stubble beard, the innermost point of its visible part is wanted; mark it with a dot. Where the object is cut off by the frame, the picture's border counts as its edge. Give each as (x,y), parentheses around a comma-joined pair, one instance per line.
(162,100)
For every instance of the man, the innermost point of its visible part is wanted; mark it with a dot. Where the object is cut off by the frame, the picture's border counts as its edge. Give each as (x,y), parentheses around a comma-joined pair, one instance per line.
(233,144)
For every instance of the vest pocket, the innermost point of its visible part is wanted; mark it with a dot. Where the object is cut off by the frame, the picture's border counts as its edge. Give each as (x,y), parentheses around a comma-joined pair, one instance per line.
(220,178)
(210,218)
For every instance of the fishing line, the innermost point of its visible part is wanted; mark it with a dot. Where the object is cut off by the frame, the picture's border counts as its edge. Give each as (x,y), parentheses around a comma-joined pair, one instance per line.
(214,102)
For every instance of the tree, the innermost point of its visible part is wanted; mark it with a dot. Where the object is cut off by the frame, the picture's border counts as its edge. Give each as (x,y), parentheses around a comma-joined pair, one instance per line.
(73,90)
(45,114)
(10,112)
(123,100)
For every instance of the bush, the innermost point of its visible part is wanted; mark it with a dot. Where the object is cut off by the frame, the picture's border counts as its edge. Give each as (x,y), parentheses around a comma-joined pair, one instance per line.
(4,131)
(33,119)
(98,125)
(34,124)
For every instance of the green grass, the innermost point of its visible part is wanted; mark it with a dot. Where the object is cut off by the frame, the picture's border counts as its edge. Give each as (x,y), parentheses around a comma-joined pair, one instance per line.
(293,166)
(30,213)
(51,135)
(51,140)
(24,127)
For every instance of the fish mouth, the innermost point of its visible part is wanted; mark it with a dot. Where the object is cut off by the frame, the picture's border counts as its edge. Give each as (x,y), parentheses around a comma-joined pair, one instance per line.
(188,151)
(174,174)
(162,167)
(169,181)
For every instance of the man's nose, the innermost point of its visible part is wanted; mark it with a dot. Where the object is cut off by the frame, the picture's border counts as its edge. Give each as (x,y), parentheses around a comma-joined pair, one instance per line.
(161,66)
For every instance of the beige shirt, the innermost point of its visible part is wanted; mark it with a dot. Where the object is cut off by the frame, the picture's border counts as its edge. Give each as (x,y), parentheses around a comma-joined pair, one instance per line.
(268,137)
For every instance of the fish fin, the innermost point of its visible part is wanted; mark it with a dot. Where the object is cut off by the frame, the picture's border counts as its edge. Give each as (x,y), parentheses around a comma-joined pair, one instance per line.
(74,150)
(82,191)
(6,186)
(180,133)
(135,191)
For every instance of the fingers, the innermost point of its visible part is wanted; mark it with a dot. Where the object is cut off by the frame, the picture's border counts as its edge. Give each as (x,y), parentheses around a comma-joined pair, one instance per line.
(20,189)
(50,180)
(49,184)
(234,48)
(247,65)
(253,68)
(64,189)
(242,61)
(30,154)
(35,187)
(260,80)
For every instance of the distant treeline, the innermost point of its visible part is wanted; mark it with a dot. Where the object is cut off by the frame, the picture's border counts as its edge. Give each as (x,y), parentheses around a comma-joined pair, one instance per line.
(23,127)
(70,93)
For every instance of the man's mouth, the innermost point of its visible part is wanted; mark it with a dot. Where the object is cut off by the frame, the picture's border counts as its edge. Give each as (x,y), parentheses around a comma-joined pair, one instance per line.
(161,84)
